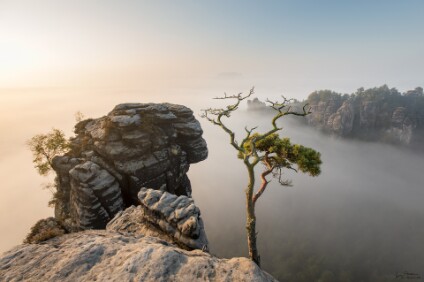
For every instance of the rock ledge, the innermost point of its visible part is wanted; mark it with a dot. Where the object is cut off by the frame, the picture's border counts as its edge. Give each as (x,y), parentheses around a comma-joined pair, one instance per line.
(99,255)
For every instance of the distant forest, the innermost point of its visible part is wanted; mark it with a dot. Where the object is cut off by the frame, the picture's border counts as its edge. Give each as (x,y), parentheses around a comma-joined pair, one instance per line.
(375,114)
(365,238)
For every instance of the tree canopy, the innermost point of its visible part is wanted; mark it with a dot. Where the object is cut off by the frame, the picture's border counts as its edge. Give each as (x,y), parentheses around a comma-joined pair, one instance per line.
(45,146)
(280,153)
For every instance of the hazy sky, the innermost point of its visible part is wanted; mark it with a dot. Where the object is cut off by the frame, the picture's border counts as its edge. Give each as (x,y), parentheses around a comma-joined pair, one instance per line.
(295,45)
(88,52)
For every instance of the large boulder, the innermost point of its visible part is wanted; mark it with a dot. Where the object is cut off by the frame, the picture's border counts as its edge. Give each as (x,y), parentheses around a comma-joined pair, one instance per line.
(100,255)
(112,157)
(173,218)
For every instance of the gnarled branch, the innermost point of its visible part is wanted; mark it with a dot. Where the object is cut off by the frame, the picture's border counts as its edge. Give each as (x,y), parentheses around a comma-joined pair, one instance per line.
(219,113)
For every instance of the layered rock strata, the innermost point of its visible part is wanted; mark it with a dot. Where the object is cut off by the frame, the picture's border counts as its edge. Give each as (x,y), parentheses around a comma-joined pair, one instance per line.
(112,157)
(95,196)
(173,218)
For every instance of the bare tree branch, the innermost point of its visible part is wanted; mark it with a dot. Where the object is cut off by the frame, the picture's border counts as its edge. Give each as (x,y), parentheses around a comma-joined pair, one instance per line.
(248,133)
(279,174)
(219,113)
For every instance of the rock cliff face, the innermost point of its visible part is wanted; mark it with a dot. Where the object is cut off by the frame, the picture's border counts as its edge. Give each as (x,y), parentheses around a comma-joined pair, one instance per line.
(333,116)
(376,114)
(102,255)
(367,119)
(112,157)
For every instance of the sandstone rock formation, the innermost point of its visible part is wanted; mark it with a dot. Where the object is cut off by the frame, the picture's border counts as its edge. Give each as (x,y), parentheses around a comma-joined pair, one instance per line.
(99,255)
(376,114)
(331,116)
(341,122)
(402,126)
(112,157)
(172,218)
(151,234)
(95,196)
(363,119)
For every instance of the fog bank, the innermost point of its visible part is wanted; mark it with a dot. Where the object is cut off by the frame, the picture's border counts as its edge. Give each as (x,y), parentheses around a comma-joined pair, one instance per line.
(361,218)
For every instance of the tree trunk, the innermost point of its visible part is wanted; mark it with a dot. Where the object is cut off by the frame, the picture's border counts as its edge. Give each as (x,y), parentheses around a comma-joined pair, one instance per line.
(251,218)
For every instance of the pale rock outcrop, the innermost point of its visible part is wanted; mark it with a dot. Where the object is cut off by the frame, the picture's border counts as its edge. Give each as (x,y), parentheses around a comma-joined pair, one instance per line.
(136,145)
(402,127)
(99,255)
(173,218)
(341,122)
(367,114)
(368,119)
(398,117)
(321,113)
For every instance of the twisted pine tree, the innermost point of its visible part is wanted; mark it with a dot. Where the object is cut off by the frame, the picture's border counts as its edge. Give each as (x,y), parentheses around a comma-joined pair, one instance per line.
(268,148)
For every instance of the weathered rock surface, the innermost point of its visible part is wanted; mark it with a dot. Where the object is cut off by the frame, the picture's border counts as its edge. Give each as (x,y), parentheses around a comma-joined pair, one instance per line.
(172,218)
(402,127)
(99,255)
(341,122)
(95,196)
(112,157)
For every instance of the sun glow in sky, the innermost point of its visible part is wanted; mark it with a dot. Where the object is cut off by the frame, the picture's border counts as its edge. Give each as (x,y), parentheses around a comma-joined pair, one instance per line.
(62,56)
(287,44)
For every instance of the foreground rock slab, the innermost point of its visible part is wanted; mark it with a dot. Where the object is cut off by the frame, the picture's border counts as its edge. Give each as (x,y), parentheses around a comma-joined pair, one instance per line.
(99,255)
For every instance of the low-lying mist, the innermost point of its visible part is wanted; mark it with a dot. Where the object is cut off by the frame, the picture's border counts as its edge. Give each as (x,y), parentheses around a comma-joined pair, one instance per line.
(362,219)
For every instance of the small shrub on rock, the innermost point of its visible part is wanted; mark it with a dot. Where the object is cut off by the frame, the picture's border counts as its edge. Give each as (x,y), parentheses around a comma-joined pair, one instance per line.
(43,230)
